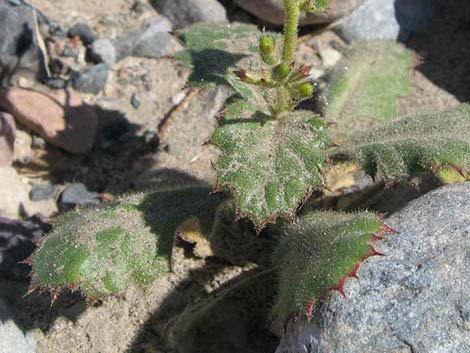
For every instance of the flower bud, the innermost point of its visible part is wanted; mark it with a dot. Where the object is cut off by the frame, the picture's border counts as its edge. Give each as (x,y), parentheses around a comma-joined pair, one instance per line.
(267,47)
(281,71)
(305,90)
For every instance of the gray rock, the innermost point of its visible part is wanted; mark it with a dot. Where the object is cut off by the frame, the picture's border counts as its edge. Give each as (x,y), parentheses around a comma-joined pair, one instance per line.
(17,243)
(12,338)
(272,10)
(40,192)
(7,138)
(103,51)
(186,12)
(153,41)
(78,195)
(83,31)
(19,50)
(136,101)
(416,298)
(56,82)
(69,52)
(387,19)
(92,80)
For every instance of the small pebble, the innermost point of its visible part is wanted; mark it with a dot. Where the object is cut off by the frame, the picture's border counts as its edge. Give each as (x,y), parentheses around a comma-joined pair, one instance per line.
(150,135)
(178,98)
(41,192)
(83,31)
(69,52)
(330,57)
(92,80)
(103,51)
(78,195)
(55,82)
(136,101)
(38,142)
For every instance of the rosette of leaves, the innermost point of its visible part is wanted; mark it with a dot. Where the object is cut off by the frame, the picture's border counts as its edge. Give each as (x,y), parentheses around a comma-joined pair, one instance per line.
(272,156)
(104,251)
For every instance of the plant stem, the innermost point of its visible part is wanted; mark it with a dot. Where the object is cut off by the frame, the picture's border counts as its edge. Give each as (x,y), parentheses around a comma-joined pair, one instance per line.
(291,25)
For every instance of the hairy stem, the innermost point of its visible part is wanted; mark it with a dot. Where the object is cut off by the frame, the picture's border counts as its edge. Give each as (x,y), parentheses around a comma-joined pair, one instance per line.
(291,25)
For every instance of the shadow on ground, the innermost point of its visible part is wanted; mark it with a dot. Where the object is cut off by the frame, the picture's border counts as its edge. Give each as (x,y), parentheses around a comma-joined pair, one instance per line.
(444,47)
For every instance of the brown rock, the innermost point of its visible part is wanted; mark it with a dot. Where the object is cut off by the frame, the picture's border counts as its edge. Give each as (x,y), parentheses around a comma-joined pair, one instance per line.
(272,10)
(7,138)
(60,117)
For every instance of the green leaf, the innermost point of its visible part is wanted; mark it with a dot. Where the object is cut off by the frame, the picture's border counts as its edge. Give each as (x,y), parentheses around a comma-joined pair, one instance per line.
(315,6)
(317,254)
(406,147)
(268,164)
(365,88)
(105,250)
(215,50)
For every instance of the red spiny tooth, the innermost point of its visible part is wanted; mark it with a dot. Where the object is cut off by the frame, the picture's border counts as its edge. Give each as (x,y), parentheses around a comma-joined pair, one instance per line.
(38,242)
(354,271)
(309,309)
(74,287)
(32,287)
(54,295)
(340,286)
(389,229)
(216,188)
(374,252)
(381,216)
(28,261)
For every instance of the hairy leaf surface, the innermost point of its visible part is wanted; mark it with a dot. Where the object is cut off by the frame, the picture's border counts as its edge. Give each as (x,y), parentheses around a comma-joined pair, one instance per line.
(103,251)
(429,142)
(216,50)
(269,164)
(317,254)
(366,86)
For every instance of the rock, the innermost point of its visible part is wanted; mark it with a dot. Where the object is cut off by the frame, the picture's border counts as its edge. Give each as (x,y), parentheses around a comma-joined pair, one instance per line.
(22,151)
(7,138)
(12,338)
(135,101)
(14,193)
(185,12)
(153,41)
(103,51)
(69,52)
(60,117)
(78,195)
(19,50)
(272,10)
(17,243)
(330,57)
(387,19)
(413,299)
(83,31)
(55,82)
(41,192)
(92,80)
